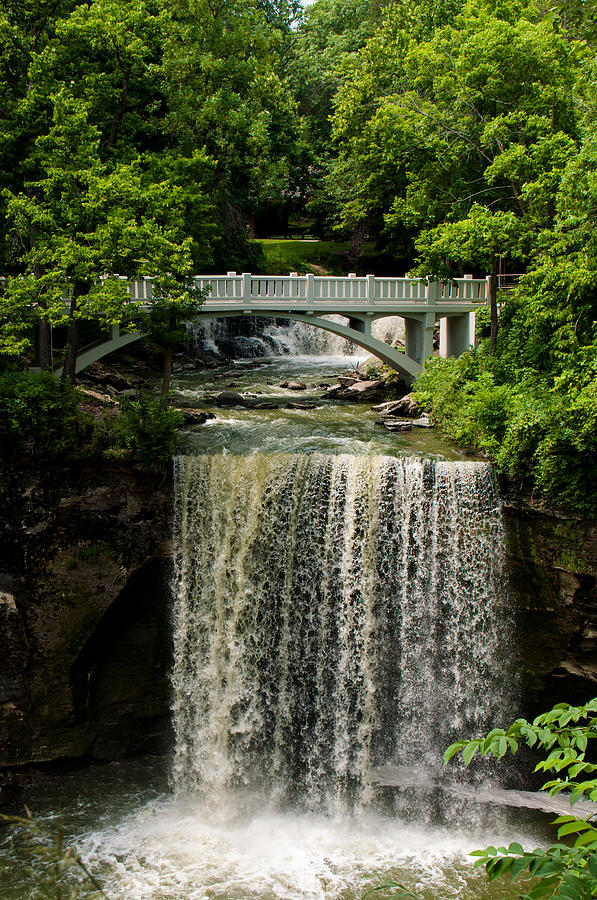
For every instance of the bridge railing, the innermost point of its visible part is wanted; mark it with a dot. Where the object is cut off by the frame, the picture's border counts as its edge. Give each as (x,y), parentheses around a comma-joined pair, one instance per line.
(313,289)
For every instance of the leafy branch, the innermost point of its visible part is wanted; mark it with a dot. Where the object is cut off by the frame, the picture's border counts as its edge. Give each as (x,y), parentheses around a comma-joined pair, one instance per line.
(49,846)
(564,734)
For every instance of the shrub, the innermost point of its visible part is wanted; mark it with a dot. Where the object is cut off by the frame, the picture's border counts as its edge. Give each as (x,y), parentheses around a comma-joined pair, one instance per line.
(144,432)
(39,417)
(566,456)
(540,433)
(565,738)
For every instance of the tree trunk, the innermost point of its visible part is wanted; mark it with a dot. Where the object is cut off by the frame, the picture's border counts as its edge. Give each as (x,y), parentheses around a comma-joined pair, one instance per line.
(69,370)
(43,327)
(167,374)
(44,345)
(493,310)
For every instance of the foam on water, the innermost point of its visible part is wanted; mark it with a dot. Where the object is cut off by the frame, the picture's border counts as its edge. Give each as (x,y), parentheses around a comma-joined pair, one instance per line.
(174,849)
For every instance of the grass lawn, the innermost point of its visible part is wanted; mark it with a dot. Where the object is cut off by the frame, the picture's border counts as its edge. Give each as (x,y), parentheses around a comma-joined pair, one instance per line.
(321,257)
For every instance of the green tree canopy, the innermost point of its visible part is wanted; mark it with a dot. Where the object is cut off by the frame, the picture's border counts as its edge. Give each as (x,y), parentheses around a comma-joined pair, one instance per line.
(225,93)
(478,111)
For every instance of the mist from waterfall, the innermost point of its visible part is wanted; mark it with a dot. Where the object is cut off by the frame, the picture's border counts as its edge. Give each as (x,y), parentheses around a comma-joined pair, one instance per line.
(332,615)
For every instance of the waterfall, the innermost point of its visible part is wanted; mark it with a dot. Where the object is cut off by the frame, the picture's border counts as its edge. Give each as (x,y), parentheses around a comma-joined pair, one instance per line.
(333,614)
(254,336)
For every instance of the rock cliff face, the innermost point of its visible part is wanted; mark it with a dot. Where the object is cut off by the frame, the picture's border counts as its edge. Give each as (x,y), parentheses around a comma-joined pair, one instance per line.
(84,614)
(553,565)
(84,611)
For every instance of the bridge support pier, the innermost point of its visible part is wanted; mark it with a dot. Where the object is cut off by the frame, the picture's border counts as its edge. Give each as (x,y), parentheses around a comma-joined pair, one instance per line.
(362,325)
(418,337)
(456,334)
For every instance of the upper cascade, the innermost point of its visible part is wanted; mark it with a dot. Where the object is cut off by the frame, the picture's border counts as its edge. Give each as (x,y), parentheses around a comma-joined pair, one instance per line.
(256,336)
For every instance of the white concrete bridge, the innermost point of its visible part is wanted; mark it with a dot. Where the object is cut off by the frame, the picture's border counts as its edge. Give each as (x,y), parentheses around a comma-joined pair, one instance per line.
(359,299)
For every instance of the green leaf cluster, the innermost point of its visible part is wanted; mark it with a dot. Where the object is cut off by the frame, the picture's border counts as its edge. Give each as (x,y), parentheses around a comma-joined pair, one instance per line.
(565,736)
(451,108)
(136,138)
(464,138)
(143,432)
(39,418)
(542,437)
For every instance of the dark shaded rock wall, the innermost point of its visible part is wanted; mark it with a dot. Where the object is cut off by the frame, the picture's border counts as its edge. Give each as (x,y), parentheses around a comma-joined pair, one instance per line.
(84,613)
(553,564)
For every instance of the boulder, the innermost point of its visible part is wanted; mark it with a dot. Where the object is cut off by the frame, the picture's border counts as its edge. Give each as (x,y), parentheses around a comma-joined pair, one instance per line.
(422,422)
(406,406)
(301,405)
(293,386)
(265,404)
(196,416)
(334,391)
(363,391)
(230,398)
(397,424)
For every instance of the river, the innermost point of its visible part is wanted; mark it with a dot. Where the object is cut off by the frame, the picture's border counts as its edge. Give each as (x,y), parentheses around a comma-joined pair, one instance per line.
(340,605)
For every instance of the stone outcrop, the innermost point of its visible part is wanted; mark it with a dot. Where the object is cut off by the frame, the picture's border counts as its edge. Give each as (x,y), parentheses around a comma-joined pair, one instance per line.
(356,391)
(395,424)
(553,563)
(84,614)
(406,406)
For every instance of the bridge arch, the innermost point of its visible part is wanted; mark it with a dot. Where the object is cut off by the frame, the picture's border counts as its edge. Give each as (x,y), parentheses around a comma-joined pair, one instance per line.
(396,359)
